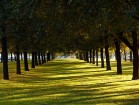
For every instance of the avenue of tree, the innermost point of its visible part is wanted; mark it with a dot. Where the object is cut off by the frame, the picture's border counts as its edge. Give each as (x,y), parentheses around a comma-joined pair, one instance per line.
(87,27)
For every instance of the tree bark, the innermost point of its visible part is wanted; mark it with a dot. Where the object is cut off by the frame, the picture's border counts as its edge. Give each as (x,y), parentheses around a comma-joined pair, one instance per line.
(81,55)
(15,56)
(53,55)
(90,56)
(135,56)
(48,56)
(134,49)
(33,60)
(96,57)
(108,66)
(18,69)
(118,56)
(1,58)
(21,56)
(42,58)
(86,56)
(36,60)
(25,61)
(131,59)
(4,54)
(11,56)
(93,56)
(102,58)
(44,55)
(39,58)
(125,55)
(77,55)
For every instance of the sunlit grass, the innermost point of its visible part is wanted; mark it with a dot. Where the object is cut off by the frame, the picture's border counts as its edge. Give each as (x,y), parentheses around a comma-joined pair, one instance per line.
(69,82)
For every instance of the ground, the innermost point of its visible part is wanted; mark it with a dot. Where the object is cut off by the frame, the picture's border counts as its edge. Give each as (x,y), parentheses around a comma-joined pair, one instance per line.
(70,82)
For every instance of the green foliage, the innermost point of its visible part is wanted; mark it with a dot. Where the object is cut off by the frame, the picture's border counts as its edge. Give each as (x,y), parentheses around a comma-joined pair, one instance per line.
(66,25)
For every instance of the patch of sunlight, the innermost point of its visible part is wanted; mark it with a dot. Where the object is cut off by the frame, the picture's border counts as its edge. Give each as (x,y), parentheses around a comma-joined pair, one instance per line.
(42,97)
(70,82)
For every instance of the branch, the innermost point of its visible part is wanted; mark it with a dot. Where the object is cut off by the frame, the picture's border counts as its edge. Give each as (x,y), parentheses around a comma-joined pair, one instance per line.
(125,41)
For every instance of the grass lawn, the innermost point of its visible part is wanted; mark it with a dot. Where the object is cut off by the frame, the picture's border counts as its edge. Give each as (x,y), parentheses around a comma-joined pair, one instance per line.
(69,82)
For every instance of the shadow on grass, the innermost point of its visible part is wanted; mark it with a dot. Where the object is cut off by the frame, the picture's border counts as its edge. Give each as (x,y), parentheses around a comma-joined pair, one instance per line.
(70,82)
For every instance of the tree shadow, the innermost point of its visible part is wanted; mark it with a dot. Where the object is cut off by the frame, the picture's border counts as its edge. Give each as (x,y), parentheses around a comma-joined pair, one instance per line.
(63,82)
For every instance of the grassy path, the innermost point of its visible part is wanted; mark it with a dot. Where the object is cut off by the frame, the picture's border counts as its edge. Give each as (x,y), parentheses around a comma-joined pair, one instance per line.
(70,82)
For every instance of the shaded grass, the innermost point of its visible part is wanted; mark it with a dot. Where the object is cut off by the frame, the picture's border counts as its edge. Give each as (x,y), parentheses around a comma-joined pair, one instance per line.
(69,82)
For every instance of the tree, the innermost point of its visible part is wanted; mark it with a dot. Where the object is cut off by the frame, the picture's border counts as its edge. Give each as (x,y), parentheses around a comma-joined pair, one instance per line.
(5,11)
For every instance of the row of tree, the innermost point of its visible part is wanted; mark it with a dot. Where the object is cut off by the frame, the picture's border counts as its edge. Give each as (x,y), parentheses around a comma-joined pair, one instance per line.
(93,56)
(56,26)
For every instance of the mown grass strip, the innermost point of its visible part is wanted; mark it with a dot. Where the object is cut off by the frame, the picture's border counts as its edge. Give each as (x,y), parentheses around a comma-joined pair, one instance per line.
(69,82)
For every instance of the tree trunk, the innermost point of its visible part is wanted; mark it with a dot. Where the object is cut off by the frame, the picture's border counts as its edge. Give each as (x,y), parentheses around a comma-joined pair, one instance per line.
(42,57)
(125,55)
(18,69)
(39,58)
(48,56)
(90,56)
(86,56)
(4,54)
(134,49)
(131,59)
(93,57)
(1,58)
(135,57)
(77,55)
(108,67)
(33,60)
(21,56)
(102,58)
(36,60)
(96,57)
(81,56)
(53,55)
(15,56)
(11,56)
(26,61)
(118,56)
(29,56)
